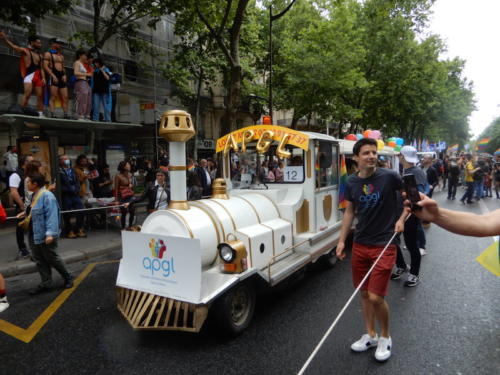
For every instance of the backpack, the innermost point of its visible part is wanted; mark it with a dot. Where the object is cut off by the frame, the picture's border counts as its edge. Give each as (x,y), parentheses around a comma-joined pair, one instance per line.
(478,175)
(115,79)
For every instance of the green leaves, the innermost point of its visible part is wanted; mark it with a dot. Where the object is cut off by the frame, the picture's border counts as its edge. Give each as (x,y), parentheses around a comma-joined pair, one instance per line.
(23,13)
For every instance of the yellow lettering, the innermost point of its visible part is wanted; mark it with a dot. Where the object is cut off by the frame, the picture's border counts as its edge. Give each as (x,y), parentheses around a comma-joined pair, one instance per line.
(247,137)
(263,144)
(231,143)
(281,152)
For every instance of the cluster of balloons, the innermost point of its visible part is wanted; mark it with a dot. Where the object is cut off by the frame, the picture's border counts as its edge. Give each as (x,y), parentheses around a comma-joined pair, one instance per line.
(375,134)
(394,142)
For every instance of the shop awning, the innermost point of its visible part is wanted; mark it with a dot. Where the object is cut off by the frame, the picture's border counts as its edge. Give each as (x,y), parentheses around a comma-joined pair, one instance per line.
(33,122)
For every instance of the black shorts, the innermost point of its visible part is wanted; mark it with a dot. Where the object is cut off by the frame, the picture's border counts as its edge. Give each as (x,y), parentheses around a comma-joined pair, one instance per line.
(60,84)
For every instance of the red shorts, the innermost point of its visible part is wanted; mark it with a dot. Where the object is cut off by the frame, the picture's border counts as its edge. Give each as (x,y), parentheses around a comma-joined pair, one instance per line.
(34,78)
(363,257)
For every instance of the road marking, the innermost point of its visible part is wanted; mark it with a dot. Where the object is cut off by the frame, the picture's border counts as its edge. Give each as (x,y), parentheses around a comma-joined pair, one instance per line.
(26,335)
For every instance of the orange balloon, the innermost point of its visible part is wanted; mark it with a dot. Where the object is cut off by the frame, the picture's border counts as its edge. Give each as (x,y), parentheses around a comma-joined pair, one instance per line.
(391,144)
(366,133)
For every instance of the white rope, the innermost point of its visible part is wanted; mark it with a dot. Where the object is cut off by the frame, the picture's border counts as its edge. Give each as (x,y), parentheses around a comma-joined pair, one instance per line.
(79,210)
(318,347)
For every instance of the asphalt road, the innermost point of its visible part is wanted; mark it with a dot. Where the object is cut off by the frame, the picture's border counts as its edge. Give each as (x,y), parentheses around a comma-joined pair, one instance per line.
(449,324)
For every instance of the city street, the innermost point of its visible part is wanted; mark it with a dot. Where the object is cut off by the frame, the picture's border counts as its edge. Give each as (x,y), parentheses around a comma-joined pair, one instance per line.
(448,324)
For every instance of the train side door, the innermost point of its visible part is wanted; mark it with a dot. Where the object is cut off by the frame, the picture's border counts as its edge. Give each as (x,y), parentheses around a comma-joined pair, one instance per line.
(326,175)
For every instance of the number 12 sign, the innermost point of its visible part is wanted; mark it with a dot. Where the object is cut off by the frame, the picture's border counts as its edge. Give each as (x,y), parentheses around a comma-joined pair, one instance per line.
(293,174)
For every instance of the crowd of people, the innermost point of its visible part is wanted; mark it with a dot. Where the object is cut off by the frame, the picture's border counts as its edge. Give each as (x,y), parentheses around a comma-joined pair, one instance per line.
(38,211)
(86,180)
(93,83)
(376,253)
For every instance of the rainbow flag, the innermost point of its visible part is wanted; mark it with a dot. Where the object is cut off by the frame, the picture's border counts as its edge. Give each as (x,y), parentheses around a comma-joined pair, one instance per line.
(453,148)
(343,184)
(483,143)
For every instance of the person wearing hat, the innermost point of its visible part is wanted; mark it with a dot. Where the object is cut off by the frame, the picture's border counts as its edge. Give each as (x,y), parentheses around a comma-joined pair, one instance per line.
(409,159)
(53,64)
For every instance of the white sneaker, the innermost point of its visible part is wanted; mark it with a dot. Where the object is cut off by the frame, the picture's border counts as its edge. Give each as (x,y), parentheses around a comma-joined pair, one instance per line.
(384,348)
(4,304)
(422,251)
(364,343)
(413,280)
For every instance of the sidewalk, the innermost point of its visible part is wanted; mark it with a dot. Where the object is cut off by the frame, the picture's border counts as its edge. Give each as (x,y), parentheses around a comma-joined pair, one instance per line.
(97,242)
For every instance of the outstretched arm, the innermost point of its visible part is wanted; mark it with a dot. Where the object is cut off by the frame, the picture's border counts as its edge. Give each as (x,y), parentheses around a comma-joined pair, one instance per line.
(459,222)
(16,48)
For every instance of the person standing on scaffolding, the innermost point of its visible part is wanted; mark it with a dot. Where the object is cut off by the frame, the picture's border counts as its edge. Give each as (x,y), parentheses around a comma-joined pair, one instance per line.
(31,69)
(53,64)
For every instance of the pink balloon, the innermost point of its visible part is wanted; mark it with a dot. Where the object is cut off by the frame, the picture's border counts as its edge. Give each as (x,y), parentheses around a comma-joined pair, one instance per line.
(375,134)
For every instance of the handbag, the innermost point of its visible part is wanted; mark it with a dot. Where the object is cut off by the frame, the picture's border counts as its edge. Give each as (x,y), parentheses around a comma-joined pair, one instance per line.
(126,192)
(25,223)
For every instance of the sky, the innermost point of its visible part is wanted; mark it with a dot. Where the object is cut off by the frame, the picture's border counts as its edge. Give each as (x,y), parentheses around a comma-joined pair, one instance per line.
(470,30)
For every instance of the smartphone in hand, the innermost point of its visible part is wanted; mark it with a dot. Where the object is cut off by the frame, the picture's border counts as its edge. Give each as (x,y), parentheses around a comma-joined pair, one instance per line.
(410,186)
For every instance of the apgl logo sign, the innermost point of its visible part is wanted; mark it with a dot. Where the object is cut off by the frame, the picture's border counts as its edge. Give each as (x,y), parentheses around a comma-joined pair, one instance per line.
(157,263)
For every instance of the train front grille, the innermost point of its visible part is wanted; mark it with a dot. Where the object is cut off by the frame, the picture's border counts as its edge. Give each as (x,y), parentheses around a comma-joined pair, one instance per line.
(146,311)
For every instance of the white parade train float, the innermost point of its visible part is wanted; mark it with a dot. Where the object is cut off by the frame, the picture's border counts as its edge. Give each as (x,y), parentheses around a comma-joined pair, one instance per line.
(211,254)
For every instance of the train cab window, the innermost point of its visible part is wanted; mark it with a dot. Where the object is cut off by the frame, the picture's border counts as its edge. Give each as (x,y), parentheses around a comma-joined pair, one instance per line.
(326,164)
(250,167)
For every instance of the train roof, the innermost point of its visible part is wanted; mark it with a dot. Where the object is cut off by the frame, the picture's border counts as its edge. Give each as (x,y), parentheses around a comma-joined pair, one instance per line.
(320,136)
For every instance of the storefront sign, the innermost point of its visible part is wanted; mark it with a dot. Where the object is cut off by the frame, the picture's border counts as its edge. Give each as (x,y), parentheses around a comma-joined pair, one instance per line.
(163,265)
(150,105)
(206,144)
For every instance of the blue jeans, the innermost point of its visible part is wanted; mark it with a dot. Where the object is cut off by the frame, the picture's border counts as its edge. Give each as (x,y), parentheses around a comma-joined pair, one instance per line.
(479,189)
(105,99)
(469,192)
(72,202)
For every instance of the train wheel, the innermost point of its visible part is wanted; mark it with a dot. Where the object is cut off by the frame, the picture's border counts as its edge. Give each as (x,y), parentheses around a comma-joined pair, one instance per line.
(234,310)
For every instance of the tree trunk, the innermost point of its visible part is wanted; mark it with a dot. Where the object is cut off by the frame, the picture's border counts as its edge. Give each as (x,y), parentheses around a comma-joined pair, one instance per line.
(233,100)
(295,120)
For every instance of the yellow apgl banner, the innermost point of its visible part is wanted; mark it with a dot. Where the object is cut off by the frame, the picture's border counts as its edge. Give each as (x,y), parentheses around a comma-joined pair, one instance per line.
(296,138)
(490,259)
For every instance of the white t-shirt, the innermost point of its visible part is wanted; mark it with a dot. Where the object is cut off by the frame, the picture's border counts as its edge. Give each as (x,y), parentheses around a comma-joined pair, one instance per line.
(161,198)
(14,180)
(11,161)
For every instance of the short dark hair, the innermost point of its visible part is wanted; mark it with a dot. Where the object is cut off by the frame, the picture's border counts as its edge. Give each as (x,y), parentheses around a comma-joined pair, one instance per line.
(33,38)
(80,52)
(162,172)
(121,166)
(38,179)
(99,61)
(80,158)
(363,142)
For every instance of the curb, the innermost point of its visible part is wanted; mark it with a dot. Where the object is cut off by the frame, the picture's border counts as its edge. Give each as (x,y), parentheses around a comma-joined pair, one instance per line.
(26,266)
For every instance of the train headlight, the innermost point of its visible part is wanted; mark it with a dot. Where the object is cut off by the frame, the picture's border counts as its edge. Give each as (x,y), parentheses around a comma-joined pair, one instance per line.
(233,255)
(226,252)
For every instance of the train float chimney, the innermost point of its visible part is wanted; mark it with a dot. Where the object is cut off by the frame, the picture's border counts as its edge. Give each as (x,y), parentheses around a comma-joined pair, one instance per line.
(177,128)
